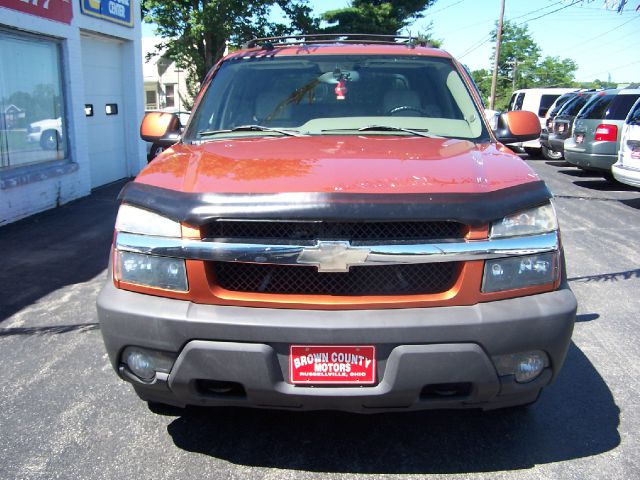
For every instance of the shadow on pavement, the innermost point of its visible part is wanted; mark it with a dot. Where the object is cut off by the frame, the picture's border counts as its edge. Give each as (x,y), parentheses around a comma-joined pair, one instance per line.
(559,163)
(53,330)
(604,185)
(576,417)
(576,172)
(608,277)
(587,317)
(633,203)
(59,247)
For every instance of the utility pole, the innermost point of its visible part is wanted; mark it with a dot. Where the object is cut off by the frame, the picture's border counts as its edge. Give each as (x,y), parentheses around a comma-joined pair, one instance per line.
(494,79)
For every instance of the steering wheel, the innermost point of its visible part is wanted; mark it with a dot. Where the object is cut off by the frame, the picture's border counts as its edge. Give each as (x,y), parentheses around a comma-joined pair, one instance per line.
(404,108)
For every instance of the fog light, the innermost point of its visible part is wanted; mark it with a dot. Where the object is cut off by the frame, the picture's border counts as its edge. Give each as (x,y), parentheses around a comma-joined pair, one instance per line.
(141,365)
(144,362)
(525,366)
(529,367)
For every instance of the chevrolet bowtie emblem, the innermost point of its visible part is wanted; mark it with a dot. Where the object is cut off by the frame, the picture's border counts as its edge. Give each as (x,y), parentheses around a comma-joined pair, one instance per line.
(333,256)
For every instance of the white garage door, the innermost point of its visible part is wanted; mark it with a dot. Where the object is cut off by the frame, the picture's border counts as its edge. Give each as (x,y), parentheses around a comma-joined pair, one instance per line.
(103,88)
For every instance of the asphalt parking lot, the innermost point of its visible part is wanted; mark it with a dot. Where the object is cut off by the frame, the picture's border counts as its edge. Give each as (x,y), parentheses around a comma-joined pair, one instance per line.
(65,414)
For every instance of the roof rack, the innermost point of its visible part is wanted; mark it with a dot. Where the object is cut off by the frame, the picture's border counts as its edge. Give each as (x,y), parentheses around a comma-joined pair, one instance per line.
(269,43)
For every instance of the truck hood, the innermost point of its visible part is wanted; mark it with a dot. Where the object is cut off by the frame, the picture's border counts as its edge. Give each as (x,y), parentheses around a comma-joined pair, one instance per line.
(337,164)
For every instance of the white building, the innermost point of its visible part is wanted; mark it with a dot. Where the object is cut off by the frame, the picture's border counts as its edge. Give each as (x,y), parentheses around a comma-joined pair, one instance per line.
(70,72)
(165,86)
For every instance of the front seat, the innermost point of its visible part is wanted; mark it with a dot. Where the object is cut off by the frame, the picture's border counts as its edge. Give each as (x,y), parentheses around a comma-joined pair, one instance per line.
(396,99)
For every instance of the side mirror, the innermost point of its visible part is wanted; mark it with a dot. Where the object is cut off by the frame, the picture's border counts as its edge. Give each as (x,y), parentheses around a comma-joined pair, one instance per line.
(161,128)
(517,126)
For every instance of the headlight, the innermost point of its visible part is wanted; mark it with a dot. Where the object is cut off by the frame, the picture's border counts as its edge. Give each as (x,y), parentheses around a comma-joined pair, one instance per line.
(152,271)
(149,270)
(528,222)
(519,272)
(136,220)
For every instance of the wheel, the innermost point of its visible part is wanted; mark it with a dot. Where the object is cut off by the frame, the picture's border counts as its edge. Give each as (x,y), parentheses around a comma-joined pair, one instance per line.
(155,151)
(532,152)
(551,154)
(49,140)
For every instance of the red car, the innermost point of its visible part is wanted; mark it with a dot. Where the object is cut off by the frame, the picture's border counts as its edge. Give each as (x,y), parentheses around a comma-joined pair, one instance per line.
(338,228)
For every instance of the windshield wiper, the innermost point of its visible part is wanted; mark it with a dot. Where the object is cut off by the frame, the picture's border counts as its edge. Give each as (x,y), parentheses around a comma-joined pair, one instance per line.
(250,128)
(384,128)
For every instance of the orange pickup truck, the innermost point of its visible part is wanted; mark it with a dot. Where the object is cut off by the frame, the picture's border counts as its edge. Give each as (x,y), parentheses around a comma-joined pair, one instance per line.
(338,228)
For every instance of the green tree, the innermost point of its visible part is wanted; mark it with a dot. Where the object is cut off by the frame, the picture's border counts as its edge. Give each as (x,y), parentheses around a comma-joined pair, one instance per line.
(520,66)
(517,62)
(482,79)
(375,16)
(553,72)
(194,32)
(597,83)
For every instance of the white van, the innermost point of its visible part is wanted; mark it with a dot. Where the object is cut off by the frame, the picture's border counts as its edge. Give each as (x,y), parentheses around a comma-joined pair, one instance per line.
(538,101)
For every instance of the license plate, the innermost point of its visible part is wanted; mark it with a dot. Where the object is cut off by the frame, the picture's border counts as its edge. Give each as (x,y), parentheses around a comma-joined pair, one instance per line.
(580,138)
(324,364)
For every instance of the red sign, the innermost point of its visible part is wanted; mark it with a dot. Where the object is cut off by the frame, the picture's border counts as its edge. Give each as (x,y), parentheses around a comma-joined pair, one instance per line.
(58,10)
(332,364)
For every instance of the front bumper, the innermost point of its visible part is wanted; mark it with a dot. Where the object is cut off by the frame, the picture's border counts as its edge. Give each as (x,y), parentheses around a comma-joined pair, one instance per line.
(415,349)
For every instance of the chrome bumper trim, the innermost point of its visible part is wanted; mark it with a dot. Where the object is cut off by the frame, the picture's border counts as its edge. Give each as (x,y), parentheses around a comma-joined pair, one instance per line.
(337,256)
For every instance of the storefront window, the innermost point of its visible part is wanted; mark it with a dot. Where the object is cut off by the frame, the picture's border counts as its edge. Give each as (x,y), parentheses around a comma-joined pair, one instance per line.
(32,117)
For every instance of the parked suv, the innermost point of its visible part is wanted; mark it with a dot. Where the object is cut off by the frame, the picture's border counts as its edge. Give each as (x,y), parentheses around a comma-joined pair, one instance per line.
(338,228)
(627,168)
(538,101)
(563,121)
(547,151)
(596,133)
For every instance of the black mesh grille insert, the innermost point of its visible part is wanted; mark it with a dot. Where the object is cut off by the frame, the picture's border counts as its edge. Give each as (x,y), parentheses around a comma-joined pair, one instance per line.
(355,231)
(377,280)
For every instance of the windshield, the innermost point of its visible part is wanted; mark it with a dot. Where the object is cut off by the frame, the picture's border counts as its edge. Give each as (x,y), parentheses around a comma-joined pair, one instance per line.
(336,94)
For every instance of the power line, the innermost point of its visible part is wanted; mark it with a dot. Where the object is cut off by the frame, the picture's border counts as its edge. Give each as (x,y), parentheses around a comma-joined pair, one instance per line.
(611,69)
(582,42)
(549,13)
(445,8)
(487,38)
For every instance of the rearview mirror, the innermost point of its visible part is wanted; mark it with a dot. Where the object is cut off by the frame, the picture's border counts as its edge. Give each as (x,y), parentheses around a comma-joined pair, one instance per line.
(161,128)
(517,126)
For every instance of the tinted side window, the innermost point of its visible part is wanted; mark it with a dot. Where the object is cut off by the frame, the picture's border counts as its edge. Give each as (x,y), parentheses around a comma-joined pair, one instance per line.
(512,102)
(545,102)
(620,106)
(634,117)
(561,102)
(573,107)
(596,107)
(519,101)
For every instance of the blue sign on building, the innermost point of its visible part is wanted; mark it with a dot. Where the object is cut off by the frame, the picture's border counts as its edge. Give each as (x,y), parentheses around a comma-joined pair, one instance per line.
(117,11)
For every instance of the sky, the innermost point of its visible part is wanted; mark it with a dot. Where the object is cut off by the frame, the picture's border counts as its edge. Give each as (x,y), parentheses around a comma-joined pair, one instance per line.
(602,42)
